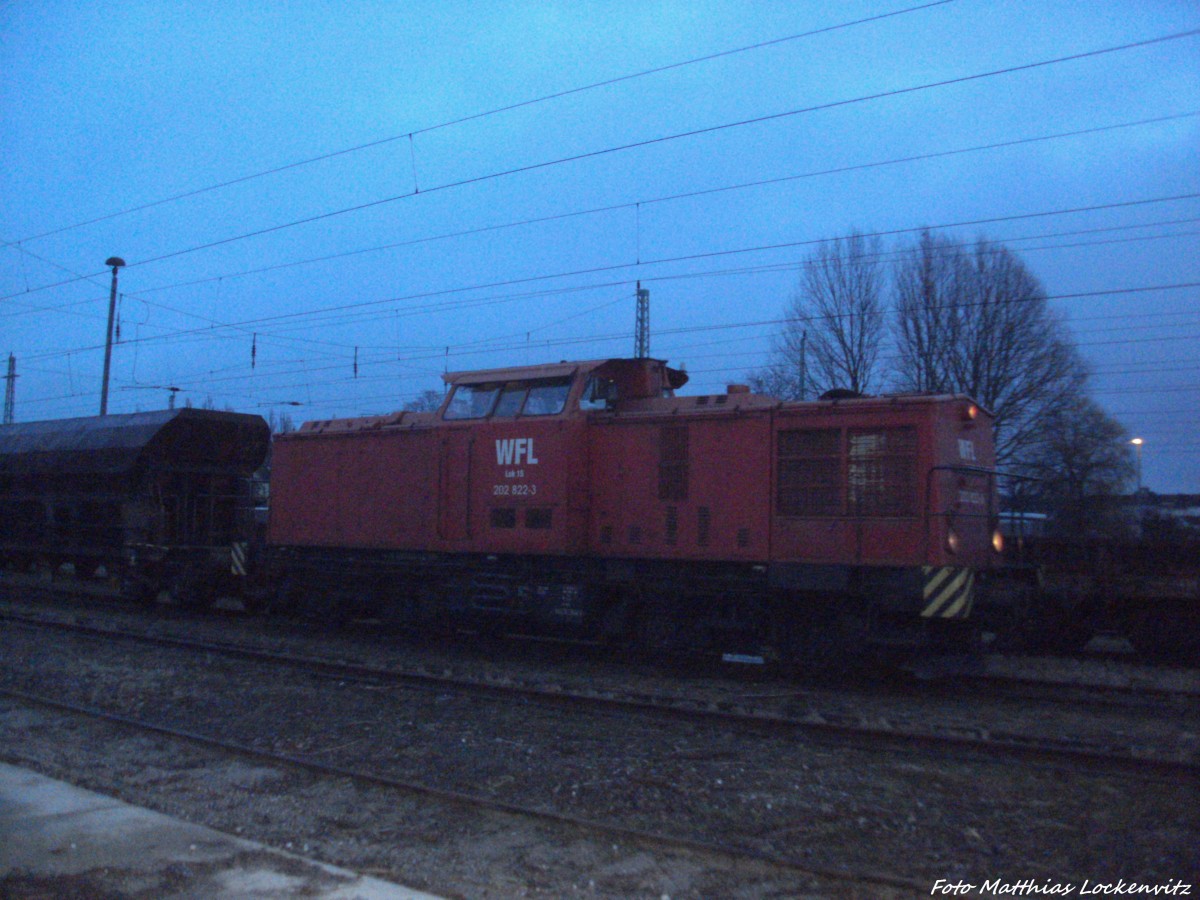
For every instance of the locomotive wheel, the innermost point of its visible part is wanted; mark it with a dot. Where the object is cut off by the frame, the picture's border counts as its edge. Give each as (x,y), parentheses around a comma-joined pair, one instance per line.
(616,618)
(311,602)
(256,600)
(817,634)
(1068,634)
(190,591)
(658,631)
(283,599)
(657,626)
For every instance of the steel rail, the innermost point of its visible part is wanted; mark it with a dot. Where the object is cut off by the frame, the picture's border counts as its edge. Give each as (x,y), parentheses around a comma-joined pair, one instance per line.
(636,836)
(1125,759)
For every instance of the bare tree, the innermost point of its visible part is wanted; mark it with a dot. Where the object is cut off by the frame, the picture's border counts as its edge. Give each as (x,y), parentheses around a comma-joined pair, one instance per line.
(1080,461)
(780,378)
(931,280)
(835,323)
(280,422)
(979,322)
(426,401)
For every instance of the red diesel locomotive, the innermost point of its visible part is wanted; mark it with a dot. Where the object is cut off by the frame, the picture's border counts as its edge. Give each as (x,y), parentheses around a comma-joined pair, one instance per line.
(586,500)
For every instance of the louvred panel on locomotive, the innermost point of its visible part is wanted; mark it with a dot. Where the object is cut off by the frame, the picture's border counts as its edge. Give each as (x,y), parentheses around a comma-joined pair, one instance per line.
(895,481)
(682,478)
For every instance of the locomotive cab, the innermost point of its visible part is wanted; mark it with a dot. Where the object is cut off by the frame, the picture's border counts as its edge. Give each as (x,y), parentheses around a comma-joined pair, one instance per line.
(624,380)
(555,389)
(513,451)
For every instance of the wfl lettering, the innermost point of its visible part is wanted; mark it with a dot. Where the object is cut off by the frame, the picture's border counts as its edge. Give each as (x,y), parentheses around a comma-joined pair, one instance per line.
(514,451)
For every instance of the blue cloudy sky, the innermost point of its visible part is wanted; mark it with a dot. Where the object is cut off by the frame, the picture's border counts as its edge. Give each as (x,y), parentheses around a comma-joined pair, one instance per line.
(323,206)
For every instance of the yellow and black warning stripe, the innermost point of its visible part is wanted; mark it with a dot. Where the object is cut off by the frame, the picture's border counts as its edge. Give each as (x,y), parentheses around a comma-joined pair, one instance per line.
(237,558)
(949,592)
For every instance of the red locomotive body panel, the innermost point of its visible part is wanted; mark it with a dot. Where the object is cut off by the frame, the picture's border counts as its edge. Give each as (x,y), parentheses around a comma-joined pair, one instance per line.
(512,463)
(586,492)
(354,483)
(675,481)
(513,487)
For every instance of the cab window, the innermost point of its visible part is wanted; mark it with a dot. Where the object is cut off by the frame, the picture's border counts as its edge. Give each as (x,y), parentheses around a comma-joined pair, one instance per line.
(598,393)
(534,398)
(512,398)
(471,401)
(547,398)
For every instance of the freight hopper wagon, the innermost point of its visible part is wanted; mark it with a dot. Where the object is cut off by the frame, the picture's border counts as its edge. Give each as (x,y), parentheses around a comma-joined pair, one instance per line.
(586,500)
(158,499)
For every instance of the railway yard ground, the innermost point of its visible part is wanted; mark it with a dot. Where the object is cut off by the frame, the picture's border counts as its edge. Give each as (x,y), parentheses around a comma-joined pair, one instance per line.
(62,841)
(519,769)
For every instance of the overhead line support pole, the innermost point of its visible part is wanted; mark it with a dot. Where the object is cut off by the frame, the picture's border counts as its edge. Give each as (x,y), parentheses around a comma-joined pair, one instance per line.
(116,262)
(641,338)
(10,390)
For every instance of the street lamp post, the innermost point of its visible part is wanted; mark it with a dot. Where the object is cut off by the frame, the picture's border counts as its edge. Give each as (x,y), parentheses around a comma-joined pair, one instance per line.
(1137,443)
(116,262)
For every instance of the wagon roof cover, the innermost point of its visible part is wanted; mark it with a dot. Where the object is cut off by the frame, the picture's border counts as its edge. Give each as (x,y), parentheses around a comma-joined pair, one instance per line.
(115,444)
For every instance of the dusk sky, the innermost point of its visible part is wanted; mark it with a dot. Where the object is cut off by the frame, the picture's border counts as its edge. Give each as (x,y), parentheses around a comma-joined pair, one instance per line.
(324,206)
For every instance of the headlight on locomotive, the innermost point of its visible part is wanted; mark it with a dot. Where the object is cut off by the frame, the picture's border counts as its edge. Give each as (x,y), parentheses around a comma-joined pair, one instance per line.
(952,541)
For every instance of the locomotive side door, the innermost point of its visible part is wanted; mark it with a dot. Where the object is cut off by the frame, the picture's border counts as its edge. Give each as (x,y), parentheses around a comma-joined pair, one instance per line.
(455,448)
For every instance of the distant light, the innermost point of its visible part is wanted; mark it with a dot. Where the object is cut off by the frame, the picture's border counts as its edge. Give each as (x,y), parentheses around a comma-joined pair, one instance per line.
(1137,443)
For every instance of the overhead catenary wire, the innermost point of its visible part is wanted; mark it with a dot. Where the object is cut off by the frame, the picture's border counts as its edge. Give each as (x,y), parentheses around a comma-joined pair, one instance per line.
(411,135)
(432,353)
(647,142)
(290,349)
(687,195)
(713,254)
(280,336)
(438,353)
(309,372)
(333,344)
(695,132)
(335,319)
(314,316)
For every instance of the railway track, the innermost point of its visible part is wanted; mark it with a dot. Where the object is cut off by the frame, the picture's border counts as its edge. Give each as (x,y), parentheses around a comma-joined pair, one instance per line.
(473,801)
(879,730)
(997,679)
(1058,692)
(730,785)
